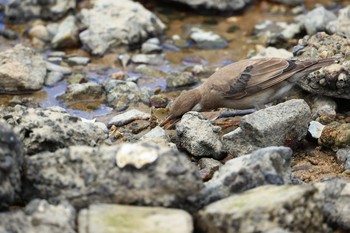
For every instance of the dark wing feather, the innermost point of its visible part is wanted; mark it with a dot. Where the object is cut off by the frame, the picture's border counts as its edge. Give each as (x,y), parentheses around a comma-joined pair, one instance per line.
(263,74)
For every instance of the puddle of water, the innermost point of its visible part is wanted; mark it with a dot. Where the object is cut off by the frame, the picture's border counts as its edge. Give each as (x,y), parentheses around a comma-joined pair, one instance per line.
(236,29)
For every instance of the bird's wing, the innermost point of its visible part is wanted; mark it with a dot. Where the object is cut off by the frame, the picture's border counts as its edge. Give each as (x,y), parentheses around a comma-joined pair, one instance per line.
(258,75)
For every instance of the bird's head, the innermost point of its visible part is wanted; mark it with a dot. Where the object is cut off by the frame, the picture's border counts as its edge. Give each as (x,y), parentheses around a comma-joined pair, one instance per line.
(186,101)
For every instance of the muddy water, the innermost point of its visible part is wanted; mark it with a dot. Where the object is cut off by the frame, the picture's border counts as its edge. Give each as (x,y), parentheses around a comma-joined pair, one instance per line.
(236,29)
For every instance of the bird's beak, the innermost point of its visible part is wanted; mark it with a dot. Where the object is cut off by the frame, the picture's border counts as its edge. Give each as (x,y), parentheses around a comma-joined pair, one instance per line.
(169,122)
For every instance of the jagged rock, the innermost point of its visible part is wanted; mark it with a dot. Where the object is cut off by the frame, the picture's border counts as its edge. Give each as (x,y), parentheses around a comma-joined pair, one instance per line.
(127,117)
(50,129)
(199,137)
(283,124)
(341,25)
(269,165)
(206,39)
(222,5)
(67,34)
(179,79)
(139,174)
(21,70)
(317,20)
(40,216)
(11,161)
(112,23)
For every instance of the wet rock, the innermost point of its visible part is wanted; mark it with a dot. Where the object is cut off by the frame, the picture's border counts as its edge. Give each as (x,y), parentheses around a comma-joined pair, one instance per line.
(269,165)
(317,20)
(53,77)
(206,39)
(150,59)
(272,52)
(341,25)
(179,79)
(21,10)
(40,32)
(336,207)
(151,46)
(127,117)
(323,109)
(60,54)
(283,124)
(335,135)
(85,175)
(159,101)
(265,209)
(82,61)
(343,156)
(207,167)
(332,80)
(11,160)
(83,91)
(120,23)
(50,129)
(121,94)
(67,34)
(222,5)
(96,219)
(56,68)
(21,70)
(199,137)
(40,216)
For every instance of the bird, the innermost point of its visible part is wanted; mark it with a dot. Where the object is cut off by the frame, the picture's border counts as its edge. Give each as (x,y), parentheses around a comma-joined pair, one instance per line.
(249,83)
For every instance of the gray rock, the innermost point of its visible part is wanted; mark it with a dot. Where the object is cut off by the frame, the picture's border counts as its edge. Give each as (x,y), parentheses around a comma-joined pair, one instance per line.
(67,34)
(82,61)
(156,133)
(60,54)
(336,207)
(276,33)
(11,160)
(315,129)
(21,10)
(55,60)
(9,34)
(179,79)
(343,156)
(120,23)
(199,137)
(269,165)
(139,174)
(332,80)
(97,219)
(263,209)
(83,91)
(323,108)
(40,32)
(273,52)
(127,117)
(283,124)
(317,20)
(121,94)
(207,167)
(50,129)
(206,39)
(39,216)
(21,70)
(150,59)
(53,77)
(341,25)
(151,46)
(56,68)
(222,5)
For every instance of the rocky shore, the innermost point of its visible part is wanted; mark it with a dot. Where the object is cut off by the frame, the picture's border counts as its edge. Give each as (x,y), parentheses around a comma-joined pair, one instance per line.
(85,84)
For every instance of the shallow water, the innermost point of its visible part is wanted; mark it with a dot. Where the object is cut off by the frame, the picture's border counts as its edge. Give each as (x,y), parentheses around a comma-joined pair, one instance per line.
(236,29)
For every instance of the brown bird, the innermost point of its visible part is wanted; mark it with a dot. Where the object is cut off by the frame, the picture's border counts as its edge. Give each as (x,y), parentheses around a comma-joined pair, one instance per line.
(245,84)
